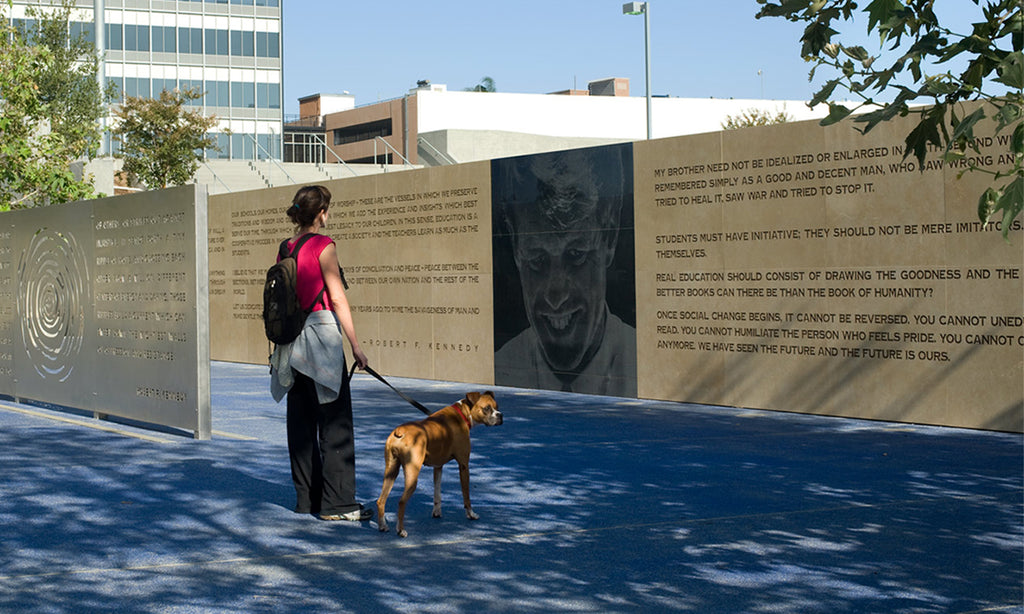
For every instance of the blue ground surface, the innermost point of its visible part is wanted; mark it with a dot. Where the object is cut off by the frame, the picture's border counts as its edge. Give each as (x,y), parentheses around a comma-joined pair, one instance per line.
(587,504)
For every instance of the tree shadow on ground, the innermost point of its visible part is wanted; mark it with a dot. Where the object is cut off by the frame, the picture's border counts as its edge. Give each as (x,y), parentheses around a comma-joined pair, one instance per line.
(586,504)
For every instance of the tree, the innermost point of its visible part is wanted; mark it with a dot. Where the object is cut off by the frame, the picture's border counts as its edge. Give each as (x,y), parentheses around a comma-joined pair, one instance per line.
(486,85)
(994,77)
(68,84)
(162,141)
(755,117)
(36,146)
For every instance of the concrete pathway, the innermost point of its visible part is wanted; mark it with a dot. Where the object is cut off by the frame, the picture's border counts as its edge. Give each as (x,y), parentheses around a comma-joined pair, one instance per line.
(587,504)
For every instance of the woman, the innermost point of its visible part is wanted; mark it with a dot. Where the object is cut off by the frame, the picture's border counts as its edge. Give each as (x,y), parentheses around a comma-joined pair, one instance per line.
(321,443)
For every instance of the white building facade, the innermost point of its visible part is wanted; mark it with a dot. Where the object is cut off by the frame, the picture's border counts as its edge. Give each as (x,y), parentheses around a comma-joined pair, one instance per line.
(230,49)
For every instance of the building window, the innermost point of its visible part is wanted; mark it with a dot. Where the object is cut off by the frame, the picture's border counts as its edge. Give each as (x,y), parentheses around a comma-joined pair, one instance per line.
(160,85)
(268,95)
(164,39)
(224,93)
(243,146)
(217,42)
(379,159)
(138,88)
(362,132)
(88,30)
(243,44)
(243,95)
(267,44)
(115,37)
(187,84)
(136,38)
(217,94)
(301,147)
(117,83)
(222,149)
(190,40)
(27,28)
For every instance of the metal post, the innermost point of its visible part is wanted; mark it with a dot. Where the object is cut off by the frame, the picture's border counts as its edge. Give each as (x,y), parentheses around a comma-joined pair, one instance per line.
(99,19)
(647,62)
(636,8)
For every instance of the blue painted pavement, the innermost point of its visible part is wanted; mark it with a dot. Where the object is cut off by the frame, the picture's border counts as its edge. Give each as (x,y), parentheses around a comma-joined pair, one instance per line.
(587,504)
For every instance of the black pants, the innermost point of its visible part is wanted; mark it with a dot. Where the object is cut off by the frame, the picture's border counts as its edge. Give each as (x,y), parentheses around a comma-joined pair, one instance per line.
(321,445)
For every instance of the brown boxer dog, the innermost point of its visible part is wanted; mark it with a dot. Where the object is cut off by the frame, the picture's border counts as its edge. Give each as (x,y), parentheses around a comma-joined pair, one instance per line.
(440,437)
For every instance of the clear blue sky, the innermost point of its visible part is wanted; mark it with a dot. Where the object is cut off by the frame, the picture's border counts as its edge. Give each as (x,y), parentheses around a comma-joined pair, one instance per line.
(699,48)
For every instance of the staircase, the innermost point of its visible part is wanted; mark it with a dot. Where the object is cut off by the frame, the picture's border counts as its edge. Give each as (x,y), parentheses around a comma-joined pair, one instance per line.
(222,176)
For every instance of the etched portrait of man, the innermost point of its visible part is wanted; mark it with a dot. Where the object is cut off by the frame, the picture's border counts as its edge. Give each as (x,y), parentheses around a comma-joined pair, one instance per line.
(564,301)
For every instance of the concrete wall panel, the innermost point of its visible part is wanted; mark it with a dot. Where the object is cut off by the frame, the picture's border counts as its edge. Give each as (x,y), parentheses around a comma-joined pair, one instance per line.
(108,309)
(788,267)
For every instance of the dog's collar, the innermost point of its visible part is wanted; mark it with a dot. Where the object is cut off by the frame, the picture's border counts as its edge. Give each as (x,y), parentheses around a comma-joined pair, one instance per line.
(458,409)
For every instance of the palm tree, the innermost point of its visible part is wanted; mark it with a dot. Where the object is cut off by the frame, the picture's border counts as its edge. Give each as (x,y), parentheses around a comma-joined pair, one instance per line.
(486,85)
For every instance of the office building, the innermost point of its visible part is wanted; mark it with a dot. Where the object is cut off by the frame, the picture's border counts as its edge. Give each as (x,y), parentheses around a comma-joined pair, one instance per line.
(232,49)
(432,125)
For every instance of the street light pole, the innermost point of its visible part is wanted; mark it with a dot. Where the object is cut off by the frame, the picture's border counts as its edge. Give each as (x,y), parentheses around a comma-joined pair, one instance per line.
(99,21)
(636,8)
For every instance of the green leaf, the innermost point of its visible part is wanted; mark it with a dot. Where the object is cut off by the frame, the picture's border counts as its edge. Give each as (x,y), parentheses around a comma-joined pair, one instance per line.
(927,131)
(836,113)
(816,36)
(1008,114)
(1011,203)
(965,129)
(1011,70)
(941,85)
(856,52)
(881,11)
(873,118)
(987,204)
(824,93)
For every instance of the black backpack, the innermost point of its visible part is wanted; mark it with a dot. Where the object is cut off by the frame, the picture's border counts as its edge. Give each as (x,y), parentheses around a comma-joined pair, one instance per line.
(283,316)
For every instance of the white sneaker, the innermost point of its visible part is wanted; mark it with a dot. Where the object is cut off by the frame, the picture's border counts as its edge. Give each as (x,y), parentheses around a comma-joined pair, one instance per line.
(358,515)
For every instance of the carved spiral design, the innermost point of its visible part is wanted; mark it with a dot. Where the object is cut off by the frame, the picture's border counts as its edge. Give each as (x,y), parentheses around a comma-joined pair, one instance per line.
(52,294)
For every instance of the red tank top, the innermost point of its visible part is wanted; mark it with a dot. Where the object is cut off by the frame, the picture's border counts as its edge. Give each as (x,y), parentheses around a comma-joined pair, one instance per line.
(310,279)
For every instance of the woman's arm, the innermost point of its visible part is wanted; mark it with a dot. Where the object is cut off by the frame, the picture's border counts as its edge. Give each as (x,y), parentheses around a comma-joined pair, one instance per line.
(332,279)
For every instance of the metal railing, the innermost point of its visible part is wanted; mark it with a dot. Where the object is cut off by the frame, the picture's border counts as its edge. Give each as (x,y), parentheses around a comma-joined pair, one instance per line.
(437,152)
(331,151)
(269,158)
(388,146)
(215,175)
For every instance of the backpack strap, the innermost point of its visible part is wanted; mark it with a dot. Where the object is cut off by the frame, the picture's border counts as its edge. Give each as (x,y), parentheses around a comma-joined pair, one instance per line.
(283,252)
(319,297)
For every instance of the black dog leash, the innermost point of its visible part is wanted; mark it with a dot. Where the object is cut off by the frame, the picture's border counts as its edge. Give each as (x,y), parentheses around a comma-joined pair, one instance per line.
(412,402)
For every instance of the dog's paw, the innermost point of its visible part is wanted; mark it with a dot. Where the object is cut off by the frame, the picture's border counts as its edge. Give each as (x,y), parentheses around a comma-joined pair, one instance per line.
(436,513)
(382,527)
(472,515)
(403,533)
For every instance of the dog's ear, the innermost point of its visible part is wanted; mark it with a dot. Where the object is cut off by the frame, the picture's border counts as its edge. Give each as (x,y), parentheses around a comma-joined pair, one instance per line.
(472,398)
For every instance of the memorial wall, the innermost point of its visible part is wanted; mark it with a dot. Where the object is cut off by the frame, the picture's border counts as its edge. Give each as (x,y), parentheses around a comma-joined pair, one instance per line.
(416,249)
(816,270)
(790,267)
(103,307)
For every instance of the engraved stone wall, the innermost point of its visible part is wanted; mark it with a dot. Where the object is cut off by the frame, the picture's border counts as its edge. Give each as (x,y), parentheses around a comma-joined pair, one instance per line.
(415,247)
(789,267)
(105,307)
(816,270)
